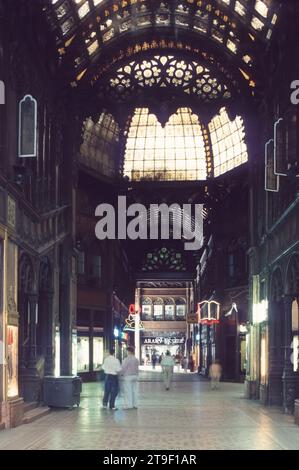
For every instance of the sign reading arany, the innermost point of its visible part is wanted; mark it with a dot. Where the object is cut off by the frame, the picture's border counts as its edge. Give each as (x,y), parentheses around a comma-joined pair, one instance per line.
(163,340)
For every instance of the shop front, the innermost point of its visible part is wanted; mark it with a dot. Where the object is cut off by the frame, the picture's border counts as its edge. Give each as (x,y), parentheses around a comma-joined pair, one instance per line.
(88,344)
(153,346)
(11,405)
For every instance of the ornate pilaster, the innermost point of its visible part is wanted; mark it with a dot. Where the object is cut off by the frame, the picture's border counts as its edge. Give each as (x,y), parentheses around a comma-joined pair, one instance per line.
(31,379)
(276,364)
(49,359)
(289,378)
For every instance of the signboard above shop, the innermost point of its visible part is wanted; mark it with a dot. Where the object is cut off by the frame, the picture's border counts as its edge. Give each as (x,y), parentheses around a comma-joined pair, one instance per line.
(162,340)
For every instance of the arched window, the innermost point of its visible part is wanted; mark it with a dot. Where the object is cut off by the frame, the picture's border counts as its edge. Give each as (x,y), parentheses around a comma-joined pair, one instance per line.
(158,309)
(146,308)
(169,309)
(28,127)
(180,308)
(175,152)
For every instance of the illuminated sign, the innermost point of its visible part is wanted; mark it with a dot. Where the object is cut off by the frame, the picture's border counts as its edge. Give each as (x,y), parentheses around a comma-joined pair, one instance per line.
(162,340)
(208,312)
(131,323)
(133,309)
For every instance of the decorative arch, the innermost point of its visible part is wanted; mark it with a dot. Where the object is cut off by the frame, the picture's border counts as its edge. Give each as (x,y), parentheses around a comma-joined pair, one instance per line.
(146,301)
(276,285)
(45,276)
(27,275)
(292,276)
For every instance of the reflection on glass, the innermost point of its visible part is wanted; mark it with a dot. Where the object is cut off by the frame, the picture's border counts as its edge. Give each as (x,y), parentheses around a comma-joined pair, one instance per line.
(57,353)
(98,353)
(83,354)
(12,361)
(74,353)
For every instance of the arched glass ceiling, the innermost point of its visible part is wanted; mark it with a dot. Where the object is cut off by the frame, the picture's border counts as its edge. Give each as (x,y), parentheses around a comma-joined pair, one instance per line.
(87,27)
(182,150)
(99,150)
(228,146)
(176,152)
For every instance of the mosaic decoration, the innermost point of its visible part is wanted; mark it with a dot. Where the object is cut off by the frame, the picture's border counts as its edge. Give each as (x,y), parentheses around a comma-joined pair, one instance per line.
(164,259)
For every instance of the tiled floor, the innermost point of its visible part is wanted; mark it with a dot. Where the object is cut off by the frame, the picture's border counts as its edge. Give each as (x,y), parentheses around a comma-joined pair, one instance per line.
(189,416)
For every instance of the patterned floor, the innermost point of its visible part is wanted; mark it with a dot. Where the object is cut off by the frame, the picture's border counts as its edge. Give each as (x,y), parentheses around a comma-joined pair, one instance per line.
(189,416)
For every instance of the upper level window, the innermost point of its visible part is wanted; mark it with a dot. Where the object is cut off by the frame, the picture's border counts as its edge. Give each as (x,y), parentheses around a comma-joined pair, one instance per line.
(158,309)
(28,127)
(169,309)
(146,306)
(181,308)
(176,152)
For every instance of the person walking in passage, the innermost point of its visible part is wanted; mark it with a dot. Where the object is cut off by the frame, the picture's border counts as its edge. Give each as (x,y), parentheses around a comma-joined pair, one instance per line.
(215,374)
(167,369)
(111,367)
(185,364)
(130,369)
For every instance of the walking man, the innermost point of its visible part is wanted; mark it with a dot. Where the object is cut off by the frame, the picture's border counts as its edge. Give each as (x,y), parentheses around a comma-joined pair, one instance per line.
(130,373)
(111,368)
(215,374)
(167,368)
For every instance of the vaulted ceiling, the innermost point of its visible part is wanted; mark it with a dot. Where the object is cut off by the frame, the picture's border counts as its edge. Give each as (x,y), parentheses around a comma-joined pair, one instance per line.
(210,50)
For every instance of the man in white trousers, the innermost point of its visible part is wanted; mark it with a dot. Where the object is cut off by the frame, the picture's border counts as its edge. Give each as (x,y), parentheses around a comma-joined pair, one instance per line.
(130,369)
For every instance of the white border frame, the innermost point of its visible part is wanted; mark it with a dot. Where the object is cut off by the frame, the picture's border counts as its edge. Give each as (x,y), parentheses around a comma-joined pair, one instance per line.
(35,128)
(266,167)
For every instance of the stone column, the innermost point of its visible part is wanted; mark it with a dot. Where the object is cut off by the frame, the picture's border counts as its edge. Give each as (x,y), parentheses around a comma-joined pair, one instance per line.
(289,379)
(91,336)
(49,359)
(23,306)
(275,395)
(32,383)
(32,298)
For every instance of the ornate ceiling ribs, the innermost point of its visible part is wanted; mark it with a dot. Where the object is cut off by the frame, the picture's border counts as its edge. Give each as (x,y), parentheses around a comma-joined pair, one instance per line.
(87,31)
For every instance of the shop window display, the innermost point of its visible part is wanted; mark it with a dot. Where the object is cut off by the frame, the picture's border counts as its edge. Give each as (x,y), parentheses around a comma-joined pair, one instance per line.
(83,354)
(98,353)
(12,361)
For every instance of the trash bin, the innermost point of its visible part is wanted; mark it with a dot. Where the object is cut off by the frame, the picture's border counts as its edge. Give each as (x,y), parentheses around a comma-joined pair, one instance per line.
(62,392)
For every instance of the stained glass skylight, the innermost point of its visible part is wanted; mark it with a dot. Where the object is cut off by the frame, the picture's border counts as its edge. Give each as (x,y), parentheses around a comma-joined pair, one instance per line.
(181,150)
(99,150)
(228,146)
(176,152)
